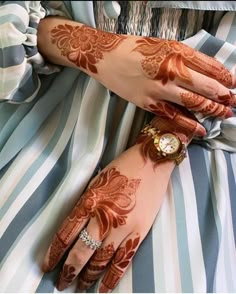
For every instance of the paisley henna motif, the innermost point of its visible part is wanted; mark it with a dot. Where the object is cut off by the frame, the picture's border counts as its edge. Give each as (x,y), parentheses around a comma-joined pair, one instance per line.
(84,45)
(110,199)
(166,60)
(196,102)
(119,264)
(96,266)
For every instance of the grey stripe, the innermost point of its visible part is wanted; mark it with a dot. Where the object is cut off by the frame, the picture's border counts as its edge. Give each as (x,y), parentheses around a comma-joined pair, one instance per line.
(232,190)
(20,3)
(15,20)
(35,203)
(212,46)
(11,56)
(27,87)
(142,267)
(206,219)
(182,234)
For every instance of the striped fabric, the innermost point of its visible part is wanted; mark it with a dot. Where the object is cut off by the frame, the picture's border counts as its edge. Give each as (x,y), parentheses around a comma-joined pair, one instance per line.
(51,146)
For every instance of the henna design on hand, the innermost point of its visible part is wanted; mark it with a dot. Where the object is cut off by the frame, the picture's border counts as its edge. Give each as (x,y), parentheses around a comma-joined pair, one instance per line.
(169,111)
(119,264)
(66,277)
(110,198)
(96,266)
(84,45)
(196,102)
(165,60)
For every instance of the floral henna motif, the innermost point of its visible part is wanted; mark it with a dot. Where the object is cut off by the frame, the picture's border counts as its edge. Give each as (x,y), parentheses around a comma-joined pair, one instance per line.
(66,277)
(84,45)
(196,102)
(110,199)
(165,60)
(96,266)
(119,264)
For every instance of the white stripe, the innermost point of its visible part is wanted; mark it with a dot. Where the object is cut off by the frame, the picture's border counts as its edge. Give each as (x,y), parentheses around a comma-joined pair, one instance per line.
(26,159)
(17,10)
(10,35)
(224,225)
(42,172)
(225,26)
(225,51)
(192,225)
(168,238)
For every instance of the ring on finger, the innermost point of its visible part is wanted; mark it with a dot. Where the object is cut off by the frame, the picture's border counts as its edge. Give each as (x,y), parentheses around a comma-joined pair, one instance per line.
(88,240)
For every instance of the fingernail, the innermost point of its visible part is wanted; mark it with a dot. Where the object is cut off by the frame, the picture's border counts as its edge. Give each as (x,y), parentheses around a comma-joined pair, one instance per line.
(229,113)
(45,268)
(200,131)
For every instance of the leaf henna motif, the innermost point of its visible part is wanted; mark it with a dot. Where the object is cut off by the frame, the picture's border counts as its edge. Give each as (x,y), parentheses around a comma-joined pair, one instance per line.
(84,45)
(165,60)
(119,264)
(96,266)
(110,199)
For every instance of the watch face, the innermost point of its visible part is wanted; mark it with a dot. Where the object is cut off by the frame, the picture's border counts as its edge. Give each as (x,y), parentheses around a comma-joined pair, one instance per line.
(169,143)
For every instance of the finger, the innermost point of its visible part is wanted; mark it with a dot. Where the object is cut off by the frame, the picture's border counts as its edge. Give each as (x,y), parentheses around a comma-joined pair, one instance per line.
(78,256)
(99,261)
(120,263)
(209,66)
(65,236)
(209,88)
(206,107)
(170,111)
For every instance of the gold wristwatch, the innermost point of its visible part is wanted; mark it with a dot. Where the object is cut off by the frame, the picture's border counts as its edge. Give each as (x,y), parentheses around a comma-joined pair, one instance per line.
(168,145)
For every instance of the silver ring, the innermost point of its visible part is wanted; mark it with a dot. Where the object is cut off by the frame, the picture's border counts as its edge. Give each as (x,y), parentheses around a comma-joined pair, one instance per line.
(89,241)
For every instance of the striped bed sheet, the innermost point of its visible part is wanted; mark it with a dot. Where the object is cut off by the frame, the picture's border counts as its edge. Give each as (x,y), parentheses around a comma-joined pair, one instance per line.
(51,146)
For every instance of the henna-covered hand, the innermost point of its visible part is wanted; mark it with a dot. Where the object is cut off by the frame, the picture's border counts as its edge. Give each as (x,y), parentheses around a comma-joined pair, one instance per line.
(142,70)
(118,208)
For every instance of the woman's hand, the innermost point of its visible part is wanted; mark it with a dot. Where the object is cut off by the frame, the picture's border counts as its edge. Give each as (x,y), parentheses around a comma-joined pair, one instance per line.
(142,70)
(117,209)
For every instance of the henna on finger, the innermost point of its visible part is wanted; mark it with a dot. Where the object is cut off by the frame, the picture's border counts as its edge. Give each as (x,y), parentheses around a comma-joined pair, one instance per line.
(66,277)
(169,111)
(83,45)
(119,264)
(96,266)
(110,198)
(198,103)
(165,60)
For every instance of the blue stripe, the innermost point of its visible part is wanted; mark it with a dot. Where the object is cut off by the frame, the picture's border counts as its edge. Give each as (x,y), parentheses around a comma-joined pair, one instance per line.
(28,86)
(11,56)
(142,267)
(182,234)
(15,20)
(211,46)
(232,190)
(35,203)
(206,218)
